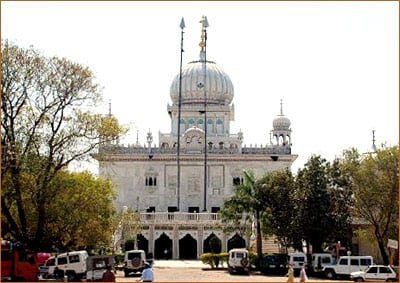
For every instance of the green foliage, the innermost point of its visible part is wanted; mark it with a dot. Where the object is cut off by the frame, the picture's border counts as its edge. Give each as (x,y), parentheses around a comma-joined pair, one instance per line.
(224,258)
(119,258)
(47,123)
(254,259)
(278,188)
(214,259)
(323,202)
(244,207)
(375,183)
(208,258)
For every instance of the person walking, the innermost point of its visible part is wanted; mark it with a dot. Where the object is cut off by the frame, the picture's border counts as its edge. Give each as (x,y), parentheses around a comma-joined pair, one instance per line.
(303,275)
(108,275)
(147,274)
(290,274)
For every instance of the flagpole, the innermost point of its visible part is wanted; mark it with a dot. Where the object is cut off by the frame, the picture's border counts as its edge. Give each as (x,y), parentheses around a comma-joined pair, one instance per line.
(178,181)
(204,47)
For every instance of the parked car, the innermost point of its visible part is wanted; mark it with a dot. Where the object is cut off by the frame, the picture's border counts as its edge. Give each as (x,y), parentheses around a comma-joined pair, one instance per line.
(375,273)
(346,265)
(274,264)
(134,261)
(238,261)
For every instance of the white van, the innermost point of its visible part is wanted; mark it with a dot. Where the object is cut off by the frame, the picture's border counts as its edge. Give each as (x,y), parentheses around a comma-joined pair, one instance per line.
(319,260)
(346,265)
(297,260)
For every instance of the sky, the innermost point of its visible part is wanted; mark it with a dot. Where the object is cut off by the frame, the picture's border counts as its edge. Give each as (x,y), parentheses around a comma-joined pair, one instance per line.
(335,65)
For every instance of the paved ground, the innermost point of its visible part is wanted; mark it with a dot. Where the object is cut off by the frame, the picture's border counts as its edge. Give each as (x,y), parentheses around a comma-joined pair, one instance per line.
(196,271)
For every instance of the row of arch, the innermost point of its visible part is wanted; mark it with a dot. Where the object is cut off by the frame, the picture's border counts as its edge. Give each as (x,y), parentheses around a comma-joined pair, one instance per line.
(188,245)
(213,126)
(281,140)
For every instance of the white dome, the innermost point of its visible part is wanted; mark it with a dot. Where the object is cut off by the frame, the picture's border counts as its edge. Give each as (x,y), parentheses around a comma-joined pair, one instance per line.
(281,123)
(219,88)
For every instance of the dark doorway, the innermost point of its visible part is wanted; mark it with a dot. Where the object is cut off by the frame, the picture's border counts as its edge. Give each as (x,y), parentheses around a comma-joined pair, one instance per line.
(236,242)
(215,209)
(212,244)
(151,209)
(172,209)
(187,248)
(194,209)
(143,243)
(163,247)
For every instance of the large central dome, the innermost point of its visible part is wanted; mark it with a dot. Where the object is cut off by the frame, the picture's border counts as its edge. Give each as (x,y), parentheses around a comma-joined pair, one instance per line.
(218,86)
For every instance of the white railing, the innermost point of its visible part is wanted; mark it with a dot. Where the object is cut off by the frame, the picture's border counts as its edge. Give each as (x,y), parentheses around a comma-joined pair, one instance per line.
(179,218)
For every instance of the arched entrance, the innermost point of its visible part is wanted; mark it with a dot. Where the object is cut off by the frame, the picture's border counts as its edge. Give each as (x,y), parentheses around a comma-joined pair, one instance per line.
(236,242)
(187,247)
(143,243)
(162,244)
(212,244)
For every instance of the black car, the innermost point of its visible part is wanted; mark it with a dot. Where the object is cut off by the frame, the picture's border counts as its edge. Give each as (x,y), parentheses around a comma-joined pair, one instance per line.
(274,264)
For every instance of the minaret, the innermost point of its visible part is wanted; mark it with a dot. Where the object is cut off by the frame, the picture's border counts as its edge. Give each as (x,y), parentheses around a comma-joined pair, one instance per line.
(281,133)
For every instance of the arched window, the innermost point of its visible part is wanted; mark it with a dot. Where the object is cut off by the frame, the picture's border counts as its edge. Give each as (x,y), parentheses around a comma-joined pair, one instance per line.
(146,182)
(221,145)
(220,126)
(150,181)
(210,126)
(155,181)
(200,124)
(190,123)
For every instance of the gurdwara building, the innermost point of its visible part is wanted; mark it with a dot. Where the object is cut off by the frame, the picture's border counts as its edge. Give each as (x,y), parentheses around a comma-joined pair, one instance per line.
(179,193)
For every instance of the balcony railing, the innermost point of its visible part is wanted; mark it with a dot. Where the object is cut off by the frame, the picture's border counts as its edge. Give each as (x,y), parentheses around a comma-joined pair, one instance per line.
(179,218)
(121,149)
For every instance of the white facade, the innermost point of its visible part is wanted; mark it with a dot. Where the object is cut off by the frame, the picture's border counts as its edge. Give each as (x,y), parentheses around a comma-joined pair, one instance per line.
(146,177)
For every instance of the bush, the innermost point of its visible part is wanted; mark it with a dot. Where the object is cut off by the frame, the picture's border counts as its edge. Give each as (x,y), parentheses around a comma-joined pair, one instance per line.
(224,258)
(208,258)
(119,258)
(214,260)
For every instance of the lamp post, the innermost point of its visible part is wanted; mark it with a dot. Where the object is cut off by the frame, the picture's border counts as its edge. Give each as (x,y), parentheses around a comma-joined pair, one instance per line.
(178,180)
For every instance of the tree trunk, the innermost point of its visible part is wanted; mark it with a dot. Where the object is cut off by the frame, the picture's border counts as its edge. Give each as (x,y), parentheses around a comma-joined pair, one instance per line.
(258,236)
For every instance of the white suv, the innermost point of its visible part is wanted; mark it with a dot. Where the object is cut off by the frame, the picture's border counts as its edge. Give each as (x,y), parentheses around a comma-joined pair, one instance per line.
(238,260)
(134,261)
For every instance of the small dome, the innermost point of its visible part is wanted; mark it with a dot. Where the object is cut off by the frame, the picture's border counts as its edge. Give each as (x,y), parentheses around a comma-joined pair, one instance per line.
(281,123)
(219,88)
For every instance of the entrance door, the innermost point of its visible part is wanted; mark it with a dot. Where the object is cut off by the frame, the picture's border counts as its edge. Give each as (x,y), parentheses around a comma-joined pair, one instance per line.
(187,247)
(163,247)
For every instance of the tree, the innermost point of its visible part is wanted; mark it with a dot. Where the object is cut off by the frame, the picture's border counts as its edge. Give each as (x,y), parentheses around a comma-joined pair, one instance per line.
(246,204)
(46,124)
(375,182)
(278,193)
(322,202)
(82,212)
